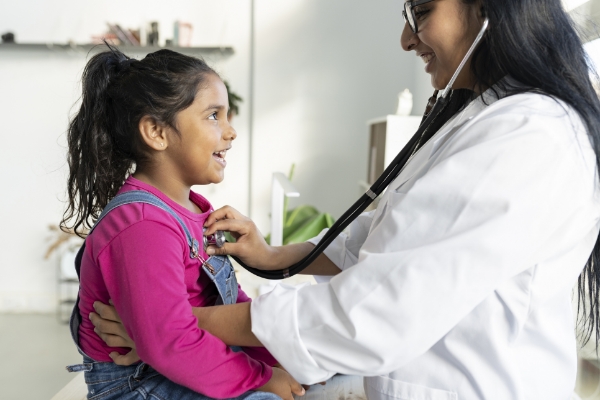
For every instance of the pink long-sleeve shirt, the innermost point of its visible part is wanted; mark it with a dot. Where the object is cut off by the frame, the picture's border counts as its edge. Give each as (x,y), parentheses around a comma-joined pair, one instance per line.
(138,257)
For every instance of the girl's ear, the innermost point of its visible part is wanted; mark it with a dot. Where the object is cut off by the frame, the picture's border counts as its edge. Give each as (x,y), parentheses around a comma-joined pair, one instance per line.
(154,134)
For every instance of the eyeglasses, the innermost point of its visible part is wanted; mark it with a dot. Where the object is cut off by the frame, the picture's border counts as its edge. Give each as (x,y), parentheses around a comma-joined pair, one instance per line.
(409,14)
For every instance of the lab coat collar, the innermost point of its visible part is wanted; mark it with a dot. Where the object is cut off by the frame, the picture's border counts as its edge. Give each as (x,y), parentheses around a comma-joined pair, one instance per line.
(477,105)
(490,96)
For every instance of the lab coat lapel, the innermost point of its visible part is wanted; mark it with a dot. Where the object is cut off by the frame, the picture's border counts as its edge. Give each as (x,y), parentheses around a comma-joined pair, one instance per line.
(423,154)
(458,122)
(441,137)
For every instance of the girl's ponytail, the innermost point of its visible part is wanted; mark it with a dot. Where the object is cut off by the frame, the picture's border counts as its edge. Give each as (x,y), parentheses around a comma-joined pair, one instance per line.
(103,137)
(96,171)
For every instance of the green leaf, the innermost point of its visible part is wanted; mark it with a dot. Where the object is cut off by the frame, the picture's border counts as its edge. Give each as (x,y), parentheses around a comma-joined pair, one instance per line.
(300,214)
(303,222)
(229,237)
(286,200)
(233,98)
(295,219)
(309,229)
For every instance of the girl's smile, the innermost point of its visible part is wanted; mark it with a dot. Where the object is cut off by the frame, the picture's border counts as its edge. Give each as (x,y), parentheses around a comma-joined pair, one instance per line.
(198,150)
(192,151)
(220,156)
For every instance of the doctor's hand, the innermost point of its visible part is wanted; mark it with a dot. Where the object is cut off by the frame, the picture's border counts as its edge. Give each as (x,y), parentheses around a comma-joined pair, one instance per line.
(250,246)
(109,327)
(283,385)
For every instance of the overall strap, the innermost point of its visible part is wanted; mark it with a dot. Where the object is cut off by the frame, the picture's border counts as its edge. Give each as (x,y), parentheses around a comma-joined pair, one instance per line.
(134,196)
(141,196)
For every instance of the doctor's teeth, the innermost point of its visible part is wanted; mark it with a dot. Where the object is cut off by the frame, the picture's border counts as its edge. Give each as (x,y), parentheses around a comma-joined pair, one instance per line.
(426,58)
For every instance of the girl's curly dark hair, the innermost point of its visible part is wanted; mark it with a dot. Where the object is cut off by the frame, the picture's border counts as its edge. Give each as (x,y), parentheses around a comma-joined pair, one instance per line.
(104,144)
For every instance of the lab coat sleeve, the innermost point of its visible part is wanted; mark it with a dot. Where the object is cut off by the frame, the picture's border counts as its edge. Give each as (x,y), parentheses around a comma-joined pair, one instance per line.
(437,247)
(343,251)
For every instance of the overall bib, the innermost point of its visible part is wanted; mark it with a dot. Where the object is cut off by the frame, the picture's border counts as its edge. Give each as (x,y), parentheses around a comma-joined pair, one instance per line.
(107,380)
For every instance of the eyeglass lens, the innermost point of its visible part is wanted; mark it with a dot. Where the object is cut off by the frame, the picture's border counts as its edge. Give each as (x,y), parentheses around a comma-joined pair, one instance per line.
(408,15)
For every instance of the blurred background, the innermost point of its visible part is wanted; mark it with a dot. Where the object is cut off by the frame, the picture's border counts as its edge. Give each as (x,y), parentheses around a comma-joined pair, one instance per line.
(317,79)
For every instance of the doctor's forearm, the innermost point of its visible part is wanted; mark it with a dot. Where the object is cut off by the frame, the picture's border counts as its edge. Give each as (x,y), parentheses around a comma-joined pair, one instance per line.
(292,253)
(230,323)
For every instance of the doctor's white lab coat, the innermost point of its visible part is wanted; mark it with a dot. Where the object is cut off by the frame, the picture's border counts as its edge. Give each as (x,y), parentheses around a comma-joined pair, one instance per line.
(459,284)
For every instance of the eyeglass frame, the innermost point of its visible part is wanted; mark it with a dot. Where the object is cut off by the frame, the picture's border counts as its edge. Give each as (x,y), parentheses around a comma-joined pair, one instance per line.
(412,5)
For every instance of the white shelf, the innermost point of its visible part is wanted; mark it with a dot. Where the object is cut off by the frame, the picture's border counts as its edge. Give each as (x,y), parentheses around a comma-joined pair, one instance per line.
(387,136)
(85,48)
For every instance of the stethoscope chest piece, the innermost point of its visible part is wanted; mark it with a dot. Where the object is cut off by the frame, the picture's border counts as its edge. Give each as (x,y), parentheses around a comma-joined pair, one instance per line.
(216,239)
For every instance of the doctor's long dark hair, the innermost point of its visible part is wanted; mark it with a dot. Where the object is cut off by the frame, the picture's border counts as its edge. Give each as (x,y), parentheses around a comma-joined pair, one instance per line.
(535,42)
(103,137)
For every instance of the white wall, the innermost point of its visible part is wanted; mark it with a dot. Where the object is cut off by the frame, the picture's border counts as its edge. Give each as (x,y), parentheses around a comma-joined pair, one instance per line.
(323,68)
(37,91)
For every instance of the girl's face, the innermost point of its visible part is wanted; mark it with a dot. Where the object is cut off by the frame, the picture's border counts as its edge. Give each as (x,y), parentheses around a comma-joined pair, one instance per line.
(446,30)
(204,135)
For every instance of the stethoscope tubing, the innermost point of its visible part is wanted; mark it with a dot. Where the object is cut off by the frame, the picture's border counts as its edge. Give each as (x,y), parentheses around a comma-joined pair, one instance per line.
(384,180)
(388,175)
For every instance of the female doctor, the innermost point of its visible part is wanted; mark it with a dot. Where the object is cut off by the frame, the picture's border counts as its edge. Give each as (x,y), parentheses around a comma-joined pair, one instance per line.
(459,284)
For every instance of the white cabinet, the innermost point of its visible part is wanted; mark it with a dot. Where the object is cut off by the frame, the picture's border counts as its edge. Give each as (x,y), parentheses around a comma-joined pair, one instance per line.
(387,136)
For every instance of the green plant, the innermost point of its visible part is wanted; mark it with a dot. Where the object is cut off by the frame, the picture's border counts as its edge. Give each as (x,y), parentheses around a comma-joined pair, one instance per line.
(303,222)
(234,101)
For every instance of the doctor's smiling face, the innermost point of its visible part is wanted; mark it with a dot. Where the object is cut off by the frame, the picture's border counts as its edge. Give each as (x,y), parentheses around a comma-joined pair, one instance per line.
(446,30)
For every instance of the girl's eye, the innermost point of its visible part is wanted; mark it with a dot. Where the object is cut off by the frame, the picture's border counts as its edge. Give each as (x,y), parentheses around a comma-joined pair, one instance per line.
(213,116)
(420,12)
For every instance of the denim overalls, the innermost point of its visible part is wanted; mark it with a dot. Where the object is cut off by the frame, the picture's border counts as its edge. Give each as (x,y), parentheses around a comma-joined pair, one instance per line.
(107,380)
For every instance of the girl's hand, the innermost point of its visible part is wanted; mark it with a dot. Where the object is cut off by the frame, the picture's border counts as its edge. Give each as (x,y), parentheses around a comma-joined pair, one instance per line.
(250,246)
(283,385)
(306,387)
(109,327)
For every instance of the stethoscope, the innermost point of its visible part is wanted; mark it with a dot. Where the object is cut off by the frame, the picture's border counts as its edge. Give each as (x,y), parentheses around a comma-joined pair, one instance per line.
(390,173)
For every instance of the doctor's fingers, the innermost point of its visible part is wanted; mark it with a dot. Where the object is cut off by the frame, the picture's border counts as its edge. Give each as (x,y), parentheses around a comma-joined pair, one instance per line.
(125,359)
(112,340)
(228,249)
(237,227)
(106,311)
(111,332)
(225,212)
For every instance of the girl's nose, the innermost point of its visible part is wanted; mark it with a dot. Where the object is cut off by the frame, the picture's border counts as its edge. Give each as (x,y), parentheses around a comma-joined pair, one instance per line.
(408,39)
(230,133)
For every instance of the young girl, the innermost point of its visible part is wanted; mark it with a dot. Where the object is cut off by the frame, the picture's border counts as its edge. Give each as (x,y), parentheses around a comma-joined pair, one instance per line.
(147,131)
